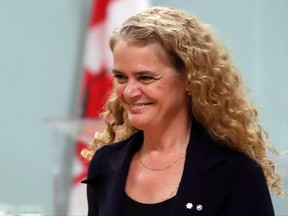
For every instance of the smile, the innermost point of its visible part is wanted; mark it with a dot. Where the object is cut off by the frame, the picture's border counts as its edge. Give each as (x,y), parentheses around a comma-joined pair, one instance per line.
(138,106)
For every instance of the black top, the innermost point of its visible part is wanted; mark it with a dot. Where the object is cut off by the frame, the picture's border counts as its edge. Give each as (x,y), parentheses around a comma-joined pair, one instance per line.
(134,208)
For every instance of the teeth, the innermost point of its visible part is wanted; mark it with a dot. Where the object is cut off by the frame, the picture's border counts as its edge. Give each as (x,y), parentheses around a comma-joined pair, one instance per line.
(137,106)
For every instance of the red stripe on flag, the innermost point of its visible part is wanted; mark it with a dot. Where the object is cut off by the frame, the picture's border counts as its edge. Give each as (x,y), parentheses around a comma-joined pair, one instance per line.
(97,88)
(99,9)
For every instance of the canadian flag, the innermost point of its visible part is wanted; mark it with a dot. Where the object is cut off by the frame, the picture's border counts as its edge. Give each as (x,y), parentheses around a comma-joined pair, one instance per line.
(97,79)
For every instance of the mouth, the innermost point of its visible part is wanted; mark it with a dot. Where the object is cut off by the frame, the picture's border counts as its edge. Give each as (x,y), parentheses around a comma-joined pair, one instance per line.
(138,106)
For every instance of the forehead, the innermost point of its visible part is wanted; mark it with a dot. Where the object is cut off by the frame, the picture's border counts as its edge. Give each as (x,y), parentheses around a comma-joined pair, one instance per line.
(140,50)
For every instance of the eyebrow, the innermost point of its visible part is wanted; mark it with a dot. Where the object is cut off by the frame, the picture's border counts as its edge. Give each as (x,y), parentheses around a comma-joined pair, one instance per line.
(114,71)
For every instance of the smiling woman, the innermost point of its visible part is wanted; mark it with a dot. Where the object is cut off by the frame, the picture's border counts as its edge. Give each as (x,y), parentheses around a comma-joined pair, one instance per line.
(178,127)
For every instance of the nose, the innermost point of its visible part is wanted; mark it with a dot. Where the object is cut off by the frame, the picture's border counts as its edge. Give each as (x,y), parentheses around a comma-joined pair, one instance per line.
(132,90)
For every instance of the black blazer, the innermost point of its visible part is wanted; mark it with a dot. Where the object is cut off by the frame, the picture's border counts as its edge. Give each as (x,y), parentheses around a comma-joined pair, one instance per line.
(222,181)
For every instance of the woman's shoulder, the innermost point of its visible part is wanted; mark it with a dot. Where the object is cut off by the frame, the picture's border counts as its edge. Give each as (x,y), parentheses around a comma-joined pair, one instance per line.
(234,157)
(117,146)
(242,160)
(243,167)
(112,151)
(234,164)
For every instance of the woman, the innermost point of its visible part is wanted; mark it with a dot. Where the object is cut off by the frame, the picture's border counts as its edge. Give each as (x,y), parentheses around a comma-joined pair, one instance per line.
(181,138)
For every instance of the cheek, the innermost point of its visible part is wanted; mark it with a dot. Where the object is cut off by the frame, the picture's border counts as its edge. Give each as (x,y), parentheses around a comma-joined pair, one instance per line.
(119,89)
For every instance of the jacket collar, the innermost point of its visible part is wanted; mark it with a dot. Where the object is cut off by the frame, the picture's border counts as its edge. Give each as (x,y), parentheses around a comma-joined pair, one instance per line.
(113,158)
(197,183)
(202,152)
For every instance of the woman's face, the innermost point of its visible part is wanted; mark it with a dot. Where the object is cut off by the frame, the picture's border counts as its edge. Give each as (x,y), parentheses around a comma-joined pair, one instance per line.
(150,89)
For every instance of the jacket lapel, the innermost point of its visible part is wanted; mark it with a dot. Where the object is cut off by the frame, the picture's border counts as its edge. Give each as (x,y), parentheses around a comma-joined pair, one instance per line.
(111,173)
(198,187)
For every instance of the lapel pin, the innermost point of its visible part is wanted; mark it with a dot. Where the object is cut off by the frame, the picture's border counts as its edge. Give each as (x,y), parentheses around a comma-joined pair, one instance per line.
(199,207)
(189,205)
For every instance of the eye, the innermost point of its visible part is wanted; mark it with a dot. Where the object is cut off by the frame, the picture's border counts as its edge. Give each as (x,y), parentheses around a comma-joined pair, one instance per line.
(146,79)
(120,78)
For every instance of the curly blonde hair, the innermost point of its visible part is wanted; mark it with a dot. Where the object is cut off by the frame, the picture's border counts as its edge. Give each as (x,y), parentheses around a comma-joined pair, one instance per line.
(218,98)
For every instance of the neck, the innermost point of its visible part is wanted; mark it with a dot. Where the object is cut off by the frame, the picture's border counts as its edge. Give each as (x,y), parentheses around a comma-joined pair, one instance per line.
(173,139)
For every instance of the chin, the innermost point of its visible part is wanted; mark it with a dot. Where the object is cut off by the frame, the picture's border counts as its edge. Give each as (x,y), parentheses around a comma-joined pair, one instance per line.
(139,124)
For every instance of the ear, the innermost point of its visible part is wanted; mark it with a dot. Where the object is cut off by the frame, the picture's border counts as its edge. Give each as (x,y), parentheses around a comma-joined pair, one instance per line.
(188,87)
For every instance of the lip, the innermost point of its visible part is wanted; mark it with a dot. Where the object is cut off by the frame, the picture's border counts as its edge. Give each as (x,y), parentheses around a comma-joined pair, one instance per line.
(138,107)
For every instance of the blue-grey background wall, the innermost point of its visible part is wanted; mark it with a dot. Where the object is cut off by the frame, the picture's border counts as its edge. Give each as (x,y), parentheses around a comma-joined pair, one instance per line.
(41,47)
